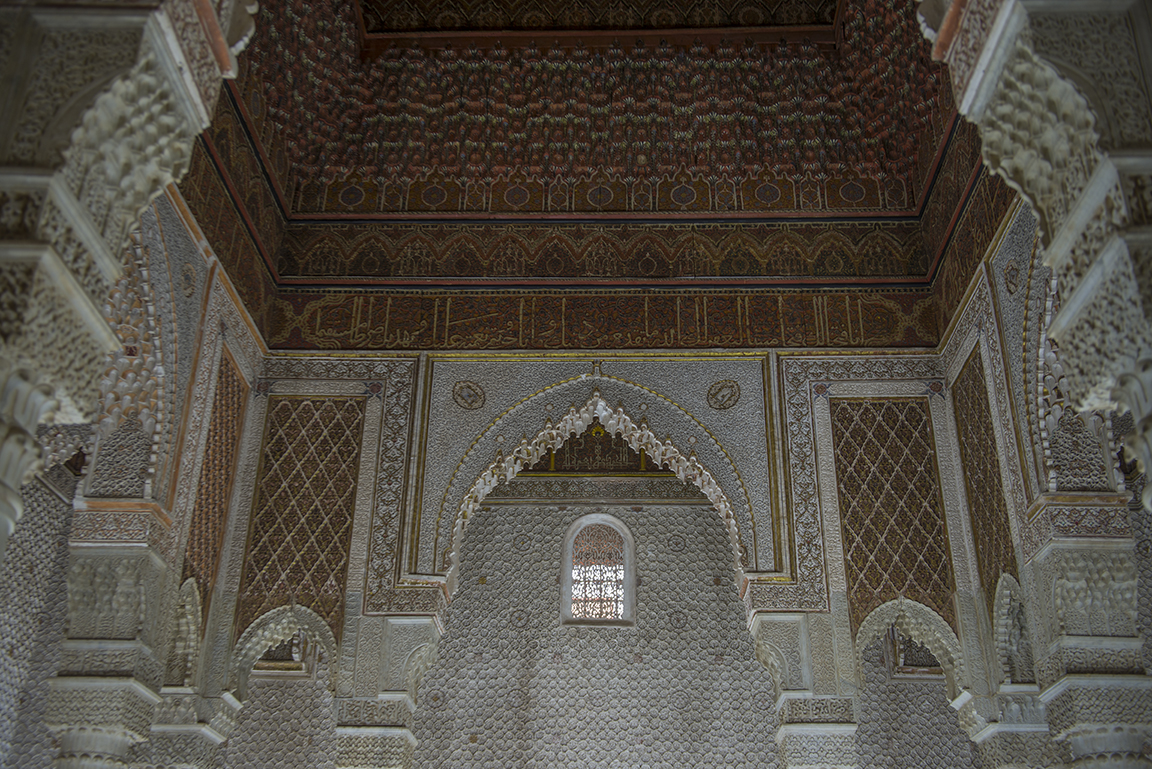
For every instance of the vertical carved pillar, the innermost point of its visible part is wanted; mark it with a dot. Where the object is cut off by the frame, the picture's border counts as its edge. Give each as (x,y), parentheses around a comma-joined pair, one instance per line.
(390,660)
(101,702)
(1090,672)
(102,112)
(1040,134)
(817,727)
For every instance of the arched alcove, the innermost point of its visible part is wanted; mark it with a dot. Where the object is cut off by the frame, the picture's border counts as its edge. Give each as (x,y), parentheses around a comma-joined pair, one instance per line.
(1012,634)
(274,627)
(921,624)
(517,685)
(640,436)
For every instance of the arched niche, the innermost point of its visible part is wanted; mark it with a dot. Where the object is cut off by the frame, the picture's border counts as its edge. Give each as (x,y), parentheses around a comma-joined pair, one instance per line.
(274,627)
(921,624)
(185,637)
(711,475)
(1013,637)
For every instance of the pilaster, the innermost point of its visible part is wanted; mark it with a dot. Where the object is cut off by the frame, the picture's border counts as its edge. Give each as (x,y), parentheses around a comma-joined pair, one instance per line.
(375,730)
(102,700)
(103,107)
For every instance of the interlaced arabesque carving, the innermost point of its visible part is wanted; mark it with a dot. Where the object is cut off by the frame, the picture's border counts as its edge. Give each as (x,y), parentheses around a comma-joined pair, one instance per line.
(987,506)
(558,115)
(210,513)
(891,509)
(302,512)
(381,16)
(514,687)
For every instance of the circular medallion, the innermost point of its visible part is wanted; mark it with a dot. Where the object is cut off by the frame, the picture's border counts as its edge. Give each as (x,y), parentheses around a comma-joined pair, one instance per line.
(678,619)
(676,543)
(767,193)
(600,196)
(1012,278)
(188,279)
(683,195)
(434,195)
(724,394)
(352,195)
(518,617)
(852,192)
(522,542)
(468,395)
(516,196)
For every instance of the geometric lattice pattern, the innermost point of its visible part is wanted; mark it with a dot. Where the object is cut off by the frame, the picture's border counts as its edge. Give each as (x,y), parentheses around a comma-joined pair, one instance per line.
(987,507)
(598,573)
(302,513)
(210,512)
(891,510)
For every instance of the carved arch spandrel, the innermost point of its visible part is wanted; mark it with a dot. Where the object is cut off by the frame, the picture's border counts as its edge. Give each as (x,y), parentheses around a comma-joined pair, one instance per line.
(921,624)
(640,437)
(276,626)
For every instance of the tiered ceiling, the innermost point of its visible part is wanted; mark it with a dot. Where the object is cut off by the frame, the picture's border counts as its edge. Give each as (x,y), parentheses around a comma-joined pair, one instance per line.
(747,150)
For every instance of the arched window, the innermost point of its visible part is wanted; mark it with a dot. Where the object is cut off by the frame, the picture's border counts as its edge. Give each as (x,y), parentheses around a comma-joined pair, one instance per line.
(599,576)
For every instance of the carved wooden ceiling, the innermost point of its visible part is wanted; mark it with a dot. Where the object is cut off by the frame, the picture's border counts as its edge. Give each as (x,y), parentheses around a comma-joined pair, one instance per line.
(823,157)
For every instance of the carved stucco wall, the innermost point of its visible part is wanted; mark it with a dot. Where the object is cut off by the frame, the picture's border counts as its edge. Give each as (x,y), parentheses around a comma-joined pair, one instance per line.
(891,506)
(285,722)
(907,723)
(210,513)
(512,687)
(302,512)
(33,605)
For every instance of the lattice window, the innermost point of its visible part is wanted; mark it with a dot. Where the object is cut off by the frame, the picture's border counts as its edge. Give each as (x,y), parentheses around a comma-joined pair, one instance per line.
(598,573)
(598,557)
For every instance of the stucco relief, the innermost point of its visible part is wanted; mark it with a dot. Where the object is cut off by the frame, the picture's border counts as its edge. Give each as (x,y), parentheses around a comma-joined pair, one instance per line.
(705,465)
